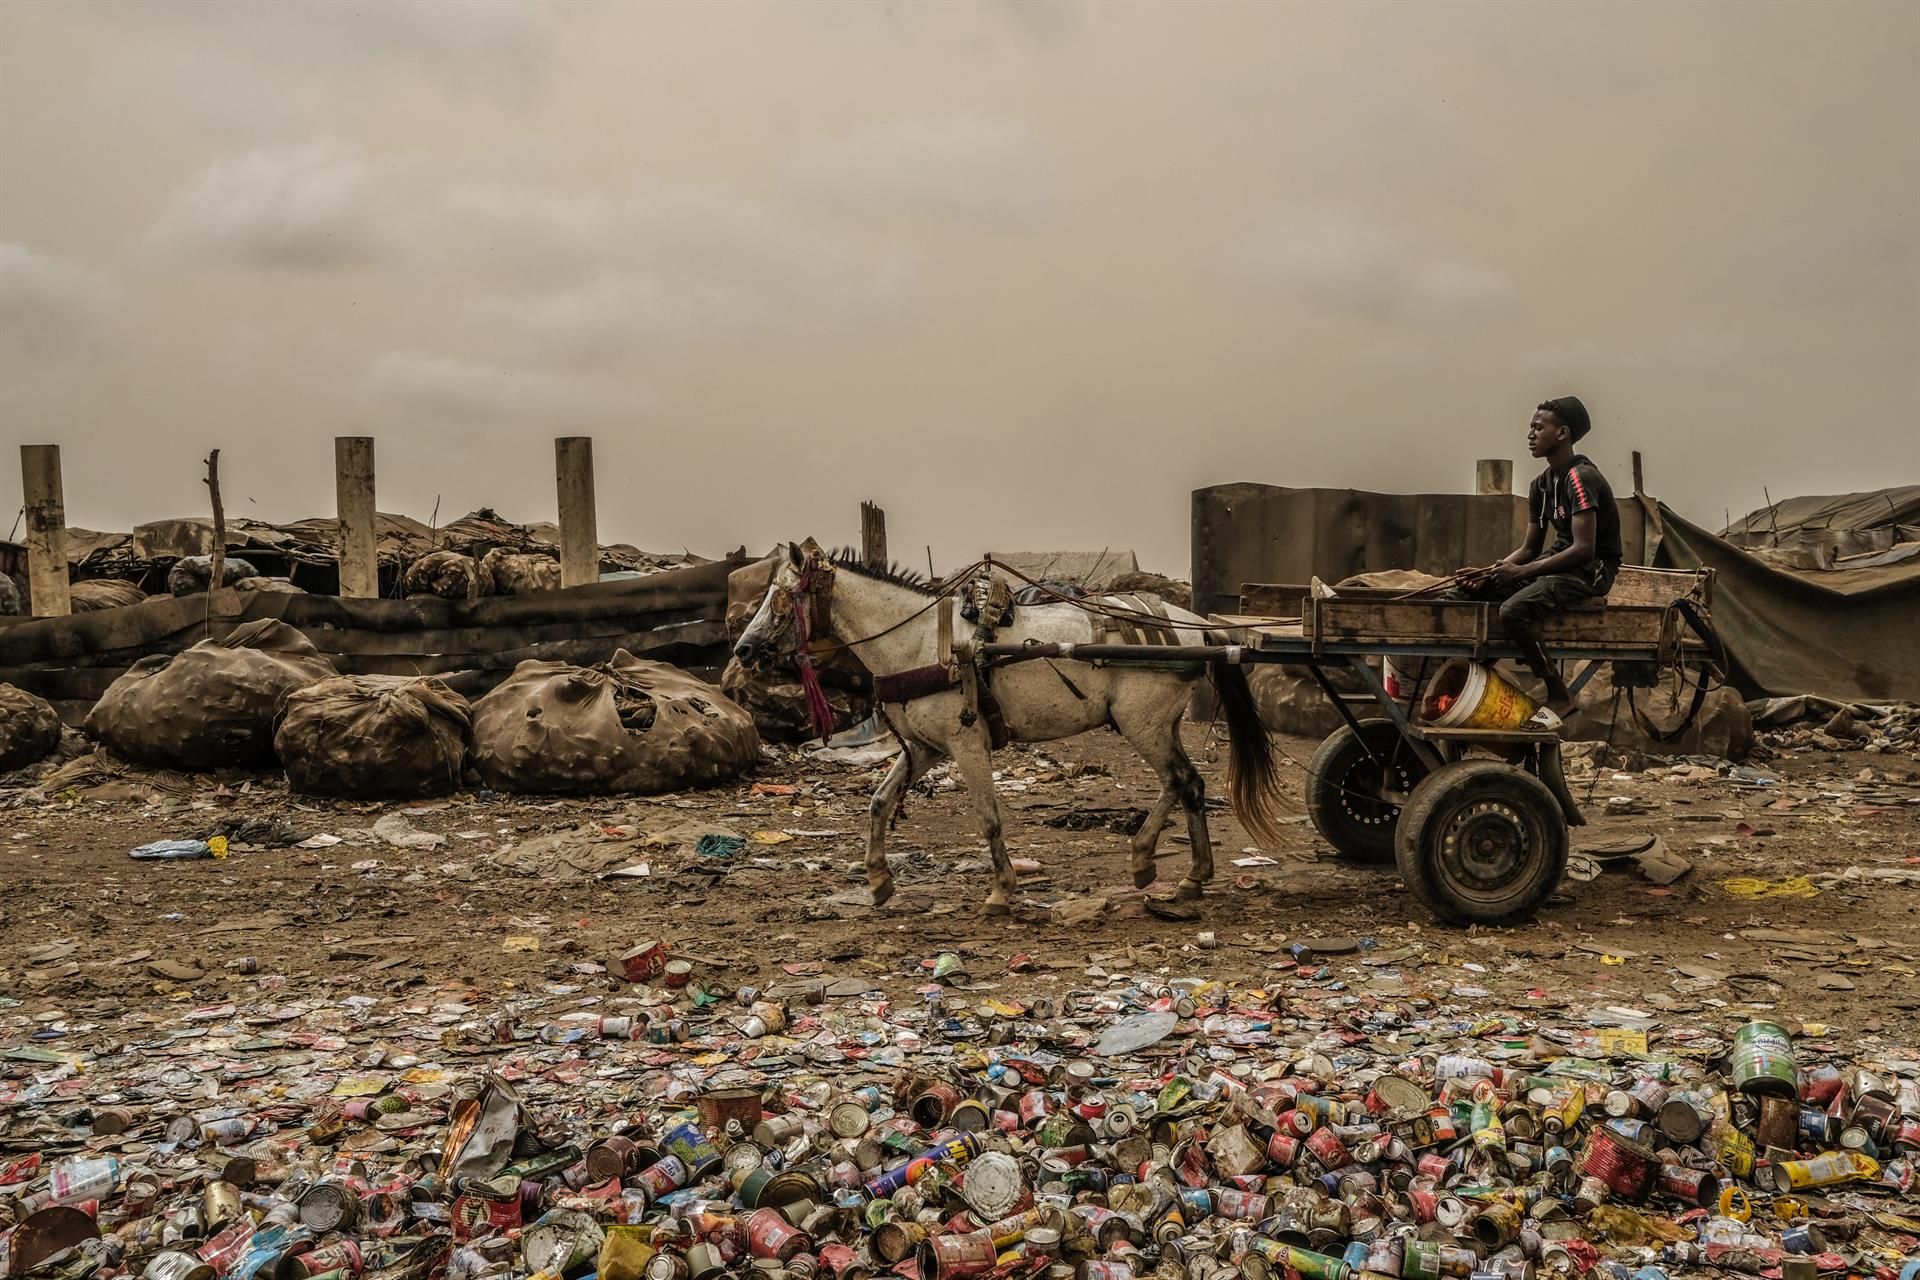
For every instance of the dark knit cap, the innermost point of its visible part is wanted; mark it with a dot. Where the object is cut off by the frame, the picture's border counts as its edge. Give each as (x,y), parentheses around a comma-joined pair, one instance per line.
(1571,414)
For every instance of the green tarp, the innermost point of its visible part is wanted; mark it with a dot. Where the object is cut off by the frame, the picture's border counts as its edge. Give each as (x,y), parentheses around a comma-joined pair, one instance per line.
(1851,634)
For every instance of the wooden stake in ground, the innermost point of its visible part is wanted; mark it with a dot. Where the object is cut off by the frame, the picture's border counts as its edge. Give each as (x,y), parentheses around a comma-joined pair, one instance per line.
(873,535)
(579,535)
(359,557)
(46,530)
(219,567)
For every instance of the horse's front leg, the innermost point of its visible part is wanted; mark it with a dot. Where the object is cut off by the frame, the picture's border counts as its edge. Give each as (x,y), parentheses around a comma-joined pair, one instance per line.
(908,767)
(972,753)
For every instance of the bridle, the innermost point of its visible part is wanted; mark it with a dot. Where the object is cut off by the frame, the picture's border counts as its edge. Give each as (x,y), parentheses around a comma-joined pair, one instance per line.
(808,608)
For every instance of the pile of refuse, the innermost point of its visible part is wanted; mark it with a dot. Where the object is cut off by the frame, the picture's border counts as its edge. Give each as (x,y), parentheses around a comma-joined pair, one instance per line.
(678,1130)
(1820,724)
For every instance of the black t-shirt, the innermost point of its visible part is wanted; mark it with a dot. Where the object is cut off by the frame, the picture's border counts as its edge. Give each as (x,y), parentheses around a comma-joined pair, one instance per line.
(1556,496)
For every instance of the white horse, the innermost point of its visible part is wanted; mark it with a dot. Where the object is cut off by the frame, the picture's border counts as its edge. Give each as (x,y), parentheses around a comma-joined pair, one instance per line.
(891,622)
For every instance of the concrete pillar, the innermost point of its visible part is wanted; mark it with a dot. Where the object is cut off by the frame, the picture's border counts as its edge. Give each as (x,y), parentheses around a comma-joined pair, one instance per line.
(46,530)
(353,504)
(579,533)
(1493,476)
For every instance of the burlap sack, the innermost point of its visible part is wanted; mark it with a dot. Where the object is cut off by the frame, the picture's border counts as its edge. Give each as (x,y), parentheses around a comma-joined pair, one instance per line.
(625,725)
(374,737)
(211,706)
(447,574)
(271,586)
(104,593)
(191,574)
(29,728)
(515,573)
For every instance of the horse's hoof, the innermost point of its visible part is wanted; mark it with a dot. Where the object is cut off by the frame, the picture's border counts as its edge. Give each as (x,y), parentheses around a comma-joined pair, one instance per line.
(1144,876)
(999,909)
(881,892)
(1188,890)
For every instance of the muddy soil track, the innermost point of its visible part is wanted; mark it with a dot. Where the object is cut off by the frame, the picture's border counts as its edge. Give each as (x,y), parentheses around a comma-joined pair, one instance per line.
(364,917)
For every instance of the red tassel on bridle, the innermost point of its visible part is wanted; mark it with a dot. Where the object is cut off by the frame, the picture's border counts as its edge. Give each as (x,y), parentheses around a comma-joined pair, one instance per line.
(819,710)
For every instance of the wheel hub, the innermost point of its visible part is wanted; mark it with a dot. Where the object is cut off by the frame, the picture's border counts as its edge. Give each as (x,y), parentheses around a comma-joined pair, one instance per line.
(1485,846)
(1371,794)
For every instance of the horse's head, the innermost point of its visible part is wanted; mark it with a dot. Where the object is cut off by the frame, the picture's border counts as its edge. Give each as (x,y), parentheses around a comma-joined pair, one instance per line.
(802,576)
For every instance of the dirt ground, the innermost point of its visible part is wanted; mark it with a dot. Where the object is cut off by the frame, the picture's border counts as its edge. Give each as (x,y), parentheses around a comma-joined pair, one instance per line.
(88,935)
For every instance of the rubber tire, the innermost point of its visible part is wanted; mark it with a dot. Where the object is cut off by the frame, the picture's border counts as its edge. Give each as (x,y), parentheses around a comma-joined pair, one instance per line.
(1442,794)
(1358,842)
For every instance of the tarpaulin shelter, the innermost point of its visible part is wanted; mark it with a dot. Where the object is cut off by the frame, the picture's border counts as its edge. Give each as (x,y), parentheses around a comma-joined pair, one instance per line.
(1821,532)
(1850,634)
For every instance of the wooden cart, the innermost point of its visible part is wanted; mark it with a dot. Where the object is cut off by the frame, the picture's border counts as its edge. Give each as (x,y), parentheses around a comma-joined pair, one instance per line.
(1475,820)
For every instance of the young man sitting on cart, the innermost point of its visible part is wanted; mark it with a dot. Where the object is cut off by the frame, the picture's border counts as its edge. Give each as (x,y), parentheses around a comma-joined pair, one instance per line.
(1575,501)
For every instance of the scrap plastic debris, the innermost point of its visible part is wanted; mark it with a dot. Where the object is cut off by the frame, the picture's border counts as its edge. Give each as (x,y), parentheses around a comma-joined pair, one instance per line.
(181,850)
(673,1129)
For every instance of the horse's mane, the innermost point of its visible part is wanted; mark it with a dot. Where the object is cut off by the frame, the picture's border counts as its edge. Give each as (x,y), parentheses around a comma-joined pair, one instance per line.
(849,559)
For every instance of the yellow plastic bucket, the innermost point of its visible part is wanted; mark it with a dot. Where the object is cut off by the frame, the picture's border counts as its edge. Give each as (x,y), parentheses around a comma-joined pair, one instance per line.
(1472,695)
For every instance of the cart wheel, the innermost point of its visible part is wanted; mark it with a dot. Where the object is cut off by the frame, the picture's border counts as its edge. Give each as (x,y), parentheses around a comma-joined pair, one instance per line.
(1346,786)
(1481,842)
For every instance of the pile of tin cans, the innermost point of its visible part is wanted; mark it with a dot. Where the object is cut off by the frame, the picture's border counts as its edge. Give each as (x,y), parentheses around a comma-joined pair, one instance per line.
(1029,1149)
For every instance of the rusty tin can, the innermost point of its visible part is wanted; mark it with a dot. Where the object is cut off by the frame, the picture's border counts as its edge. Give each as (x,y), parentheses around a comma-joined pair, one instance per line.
(949,1257)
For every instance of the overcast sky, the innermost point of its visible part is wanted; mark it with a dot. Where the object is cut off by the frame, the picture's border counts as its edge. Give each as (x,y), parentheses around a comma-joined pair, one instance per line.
(1024,271)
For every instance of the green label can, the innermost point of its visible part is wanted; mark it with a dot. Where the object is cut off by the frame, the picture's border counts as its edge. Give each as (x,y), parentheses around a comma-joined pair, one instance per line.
(1761,1061)
(1420,1260)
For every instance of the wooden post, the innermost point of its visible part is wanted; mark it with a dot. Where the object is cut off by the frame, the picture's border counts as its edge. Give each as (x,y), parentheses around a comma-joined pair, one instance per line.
(1493,476)
(353,503)
(1639,477)
(579,536)
(873,535)
(46,530)
(217,570)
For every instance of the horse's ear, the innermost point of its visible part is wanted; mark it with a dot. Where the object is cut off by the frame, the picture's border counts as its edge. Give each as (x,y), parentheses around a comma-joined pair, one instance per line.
(794,557)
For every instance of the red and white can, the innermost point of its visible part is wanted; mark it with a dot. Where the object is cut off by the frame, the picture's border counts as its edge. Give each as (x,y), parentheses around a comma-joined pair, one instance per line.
(1328,1149)
(949,1257)
(663,1177)
(1283,1148)
(770,1235)
(645,962)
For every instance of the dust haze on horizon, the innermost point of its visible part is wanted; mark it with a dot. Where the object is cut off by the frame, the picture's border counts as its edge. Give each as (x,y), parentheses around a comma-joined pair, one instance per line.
(1025,272)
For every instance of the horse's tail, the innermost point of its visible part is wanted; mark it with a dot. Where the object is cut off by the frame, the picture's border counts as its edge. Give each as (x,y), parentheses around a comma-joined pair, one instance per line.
(1253,782)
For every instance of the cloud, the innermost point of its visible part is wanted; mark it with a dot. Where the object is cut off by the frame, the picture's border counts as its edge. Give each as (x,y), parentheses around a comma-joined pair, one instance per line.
(1843,256)
(1687,352)
(974,168)
(433,390)
(306,207)
(599,274)
(1341,261)
(609,315)
(489,37)
(50,307)
(1051,24)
